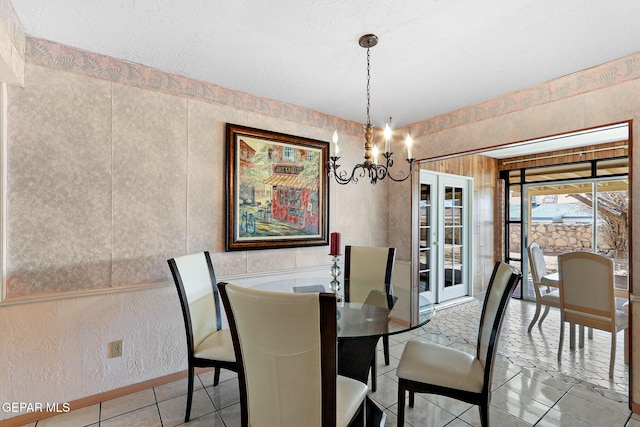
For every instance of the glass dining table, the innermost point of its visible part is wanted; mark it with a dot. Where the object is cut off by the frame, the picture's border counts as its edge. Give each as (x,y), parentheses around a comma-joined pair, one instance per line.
(361,325)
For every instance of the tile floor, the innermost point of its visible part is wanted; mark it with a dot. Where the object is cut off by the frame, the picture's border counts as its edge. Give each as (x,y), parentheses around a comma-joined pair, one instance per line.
(530,388)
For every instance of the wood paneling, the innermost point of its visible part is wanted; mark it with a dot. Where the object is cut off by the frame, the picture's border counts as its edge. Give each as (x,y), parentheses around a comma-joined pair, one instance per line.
(573,155)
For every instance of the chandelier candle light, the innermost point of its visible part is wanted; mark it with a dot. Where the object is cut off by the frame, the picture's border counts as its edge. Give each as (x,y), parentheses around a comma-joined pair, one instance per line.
(334,252)
(370,165)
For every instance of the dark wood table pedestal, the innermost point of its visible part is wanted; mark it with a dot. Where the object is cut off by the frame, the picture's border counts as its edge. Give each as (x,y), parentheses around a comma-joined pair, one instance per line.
(354,361)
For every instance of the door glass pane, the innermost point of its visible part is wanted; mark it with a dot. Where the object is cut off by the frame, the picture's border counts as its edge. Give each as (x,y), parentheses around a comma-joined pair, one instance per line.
(613,227)
(561,219)
(425,235)
(453,243)
(514,202)
(514,241)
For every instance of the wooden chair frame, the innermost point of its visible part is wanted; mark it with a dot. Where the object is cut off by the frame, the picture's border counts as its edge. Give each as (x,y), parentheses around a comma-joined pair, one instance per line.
(391,255)
(482,399)
(192,360)
(585,316)
(540,288)
(328,359)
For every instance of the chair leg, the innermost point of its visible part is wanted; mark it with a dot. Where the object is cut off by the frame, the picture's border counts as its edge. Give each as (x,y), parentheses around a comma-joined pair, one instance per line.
(189,393)
(590,333)
(572,335)
(561,338)
(535,318)
(544,315)
(612,358)
(216,375)
(581,337)
(484,414)
(626,346)
(412,399)
(374,371)
(401,394)
(385,346)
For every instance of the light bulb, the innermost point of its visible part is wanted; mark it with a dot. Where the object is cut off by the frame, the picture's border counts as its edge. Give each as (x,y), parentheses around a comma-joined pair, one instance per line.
(409,143)
(387,138)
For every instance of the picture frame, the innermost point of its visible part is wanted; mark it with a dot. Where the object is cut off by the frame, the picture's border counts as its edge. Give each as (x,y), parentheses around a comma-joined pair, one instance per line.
(277,190)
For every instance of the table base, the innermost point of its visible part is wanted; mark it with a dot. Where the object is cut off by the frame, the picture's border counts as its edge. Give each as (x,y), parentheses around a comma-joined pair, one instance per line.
(354,361)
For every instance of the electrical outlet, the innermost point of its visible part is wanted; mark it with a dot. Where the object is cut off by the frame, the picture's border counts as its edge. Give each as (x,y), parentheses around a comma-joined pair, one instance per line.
(116,348)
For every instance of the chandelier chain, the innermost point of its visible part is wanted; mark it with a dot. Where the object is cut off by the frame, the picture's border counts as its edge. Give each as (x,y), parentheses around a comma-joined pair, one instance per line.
(368,86)
(370,166)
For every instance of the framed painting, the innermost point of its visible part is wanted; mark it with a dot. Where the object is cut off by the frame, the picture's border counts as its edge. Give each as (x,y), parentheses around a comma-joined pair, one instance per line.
(276,190)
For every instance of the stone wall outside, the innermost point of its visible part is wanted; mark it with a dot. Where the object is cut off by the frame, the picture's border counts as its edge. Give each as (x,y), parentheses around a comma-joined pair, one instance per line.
(555,238)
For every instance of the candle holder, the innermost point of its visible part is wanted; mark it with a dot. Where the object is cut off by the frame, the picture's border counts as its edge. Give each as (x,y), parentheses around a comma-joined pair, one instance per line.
(335,272)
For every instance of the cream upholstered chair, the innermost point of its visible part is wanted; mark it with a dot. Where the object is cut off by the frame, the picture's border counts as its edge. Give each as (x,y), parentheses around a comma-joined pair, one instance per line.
(427,367)
(367,278)
(545,295)
(285,345)
(587,297)
(208,344)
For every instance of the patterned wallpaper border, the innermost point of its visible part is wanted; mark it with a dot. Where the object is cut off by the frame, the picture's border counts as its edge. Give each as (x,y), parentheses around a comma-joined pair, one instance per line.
(63,57)
(591,79)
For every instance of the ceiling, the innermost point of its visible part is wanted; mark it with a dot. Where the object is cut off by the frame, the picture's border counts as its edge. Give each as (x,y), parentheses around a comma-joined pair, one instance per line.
(433,56)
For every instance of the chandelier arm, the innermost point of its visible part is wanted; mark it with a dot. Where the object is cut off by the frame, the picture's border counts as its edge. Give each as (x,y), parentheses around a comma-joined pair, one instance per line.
(375,171)
(382,172)
(341,176)
(408,174)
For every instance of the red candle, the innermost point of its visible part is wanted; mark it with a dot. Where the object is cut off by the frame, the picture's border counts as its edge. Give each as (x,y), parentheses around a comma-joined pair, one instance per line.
(334,247)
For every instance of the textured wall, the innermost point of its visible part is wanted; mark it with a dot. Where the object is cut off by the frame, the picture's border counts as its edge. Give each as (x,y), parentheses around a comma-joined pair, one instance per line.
(105,182)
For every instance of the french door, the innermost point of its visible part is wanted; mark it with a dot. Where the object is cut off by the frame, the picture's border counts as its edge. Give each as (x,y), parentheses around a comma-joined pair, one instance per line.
(444,236)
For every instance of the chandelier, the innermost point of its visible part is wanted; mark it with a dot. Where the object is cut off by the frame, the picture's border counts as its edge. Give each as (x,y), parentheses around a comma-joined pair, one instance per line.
(370,166)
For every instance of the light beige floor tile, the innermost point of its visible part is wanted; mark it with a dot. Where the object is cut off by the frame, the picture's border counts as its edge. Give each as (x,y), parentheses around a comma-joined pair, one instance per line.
(172,411)
(79,417)
(535,390)
(144,417)
(633,422)
(175,388)
(456,423)
(518,405)
(225,393)
(131,402)
(454,406)
(555,418)
(209,420)
(387,393)
(231,415)
(496,418)
(225,375)
(589,412)
(557,382)
(607,398)
(424,413)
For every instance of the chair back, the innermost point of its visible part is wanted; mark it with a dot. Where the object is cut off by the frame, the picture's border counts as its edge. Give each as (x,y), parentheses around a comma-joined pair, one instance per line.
(501,286)
(536,261)
(285,346)
(586,290)
(196,284)
(366,270)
